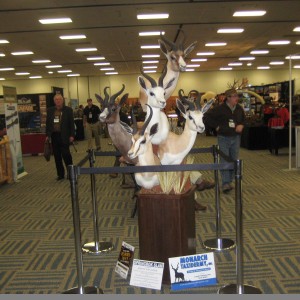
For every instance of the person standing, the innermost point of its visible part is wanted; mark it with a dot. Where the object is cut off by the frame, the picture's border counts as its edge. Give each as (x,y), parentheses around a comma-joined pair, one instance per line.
(60,130)
(91,123)
(228,119)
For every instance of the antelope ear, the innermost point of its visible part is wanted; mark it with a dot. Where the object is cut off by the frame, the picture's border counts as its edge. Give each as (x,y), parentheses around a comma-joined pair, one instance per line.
(126,127)
(189,49)
(154,129)
(169,84)
(207,106)
(123,99)
(99,99)
(180,106)
(163,47)
(142,82)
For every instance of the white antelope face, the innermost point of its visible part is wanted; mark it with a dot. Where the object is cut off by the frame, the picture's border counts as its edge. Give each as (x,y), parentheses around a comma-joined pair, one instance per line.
(156,97)
(139,145)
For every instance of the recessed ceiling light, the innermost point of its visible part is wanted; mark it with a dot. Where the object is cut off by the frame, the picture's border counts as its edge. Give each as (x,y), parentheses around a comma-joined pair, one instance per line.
(276,63)
(2,78)
(263,67)
(193,66)
(7,69)
(152,16)
(235,64)
(198,59)
(2,54)
(205,53)
(149,67)
(22,73)
(150,55)
(35,77)
(279,42)
(215,44)
(102,64)
(22,53)
(150,61)
(150,71)
(189,70)
(41,61)
(86,49)
(151,33)
(253,52)
(96,58)
(53,66)
(225,69)
(249,13)
(247,58)
(73,75)
(149,46)
(249,64)
(64,71)
(293,57)
(298,43)
(73,37)
(230,30)
(107,69)
(55,21)
(50,72)
(4,42)
(296,29)
(111,73)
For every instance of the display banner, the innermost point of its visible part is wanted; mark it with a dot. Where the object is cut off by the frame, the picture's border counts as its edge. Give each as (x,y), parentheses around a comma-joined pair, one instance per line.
(192,271)
(124,260)
(13,130)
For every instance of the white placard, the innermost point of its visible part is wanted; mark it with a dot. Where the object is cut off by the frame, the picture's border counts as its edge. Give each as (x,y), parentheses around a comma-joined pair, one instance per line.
(147,274)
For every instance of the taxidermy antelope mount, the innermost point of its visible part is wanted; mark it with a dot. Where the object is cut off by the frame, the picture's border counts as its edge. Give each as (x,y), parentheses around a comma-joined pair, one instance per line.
(174,149)
(157,101)
(110,115)
(175,64)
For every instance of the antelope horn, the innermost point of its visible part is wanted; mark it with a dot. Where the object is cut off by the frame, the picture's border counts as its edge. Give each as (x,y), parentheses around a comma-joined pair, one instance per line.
(113,97)
(162,76)
(169,43)
(106,95)
(181,96)
(181,44)
(134,123)
(147,121)
(198,103)
(185,101)
(151,80)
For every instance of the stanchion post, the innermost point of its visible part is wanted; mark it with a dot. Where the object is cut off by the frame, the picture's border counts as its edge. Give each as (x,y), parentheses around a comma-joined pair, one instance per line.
(218,243)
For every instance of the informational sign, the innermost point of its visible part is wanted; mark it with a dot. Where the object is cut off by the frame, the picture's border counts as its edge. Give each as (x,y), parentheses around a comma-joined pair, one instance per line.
(192,271)
(147,274)
(124,260)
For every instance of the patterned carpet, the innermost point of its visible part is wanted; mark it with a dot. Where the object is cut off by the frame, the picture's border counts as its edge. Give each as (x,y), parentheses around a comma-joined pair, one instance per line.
(37,253)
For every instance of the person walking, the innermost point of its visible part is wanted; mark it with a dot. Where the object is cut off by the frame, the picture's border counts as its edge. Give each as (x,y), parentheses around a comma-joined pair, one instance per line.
(91,123)
(60,130)
(228,119)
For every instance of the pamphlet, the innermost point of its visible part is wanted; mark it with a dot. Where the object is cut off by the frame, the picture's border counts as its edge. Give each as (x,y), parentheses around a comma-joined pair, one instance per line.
(124,260)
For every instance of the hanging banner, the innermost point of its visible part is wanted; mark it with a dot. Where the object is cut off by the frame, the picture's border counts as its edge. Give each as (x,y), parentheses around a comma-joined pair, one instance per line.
(13,130)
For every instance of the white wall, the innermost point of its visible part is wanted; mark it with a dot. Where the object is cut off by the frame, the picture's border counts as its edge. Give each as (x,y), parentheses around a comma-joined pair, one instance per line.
(84,87)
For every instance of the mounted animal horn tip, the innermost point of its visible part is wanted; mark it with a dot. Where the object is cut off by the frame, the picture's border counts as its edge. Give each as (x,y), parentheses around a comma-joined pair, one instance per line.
(169,43)
(181,44)
(147,121)
(151,80)
(162,77)
(198,104)
(106,94)
(113,97)
(181,95)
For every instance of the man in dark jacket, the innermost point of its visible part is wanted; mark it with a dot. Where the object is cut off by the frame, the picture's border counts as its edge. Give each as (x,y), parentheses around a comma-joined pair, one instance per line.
(60,130)
(228,119)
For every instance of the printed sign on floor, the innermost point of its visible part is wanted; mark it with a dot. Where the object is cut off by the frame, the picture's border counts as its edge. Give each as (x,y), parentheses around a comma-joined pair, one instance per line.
(147,274)
(124,260)
(192,271)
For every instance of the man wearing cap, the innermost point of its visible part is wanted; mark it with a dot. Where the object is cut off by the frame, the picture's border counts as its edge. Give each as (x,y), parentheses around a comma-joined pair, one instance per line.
(228,119)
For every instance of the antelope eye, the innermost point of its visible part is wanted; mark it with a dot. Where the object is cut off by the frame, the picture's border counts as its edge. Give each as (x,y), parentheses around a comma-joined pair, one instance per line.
(143,141)
(173,57)
(113,109)
(190,118)
(151,94)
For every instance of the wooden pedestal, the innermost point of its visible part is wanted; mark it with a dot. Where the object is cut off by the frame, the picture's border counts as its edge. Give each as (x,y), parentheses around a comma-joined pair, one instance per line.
(166,227)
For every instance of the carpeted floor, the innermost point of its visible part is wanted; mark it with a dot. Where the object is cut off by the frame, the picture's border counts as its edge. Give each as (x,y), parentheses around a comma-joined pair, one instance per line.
(37,253)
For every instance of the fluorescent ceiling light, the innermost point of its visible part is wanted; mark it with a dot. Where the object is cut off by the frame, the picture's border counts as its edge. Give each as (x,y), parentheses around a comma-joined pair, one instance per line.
(41,61)
(297,67)
(73,37)
(247,58)
(297,29)
(198,59)
(2,78)
(276,63)
(205,53)
(152,16)
(50,72)
(150,71)
(7,69)
(249,13)
(4,42)
(64,71)
(86,49)
(293,57)
(2,54)
(102,64)
(107,69)
(193,66)
(22,73)
(96,58)
(189,70)
(298,43)
(111,73)
(230,30)
(55,21)
(249,64)
(73,75)
(225,69)
(282,42)
(35,77)
(151,33)
(22,53)
(150,55)
(215,44)
(150,61)
(150,47)
(53,66)
(149,67)
(253,52)
(235,64)
(263,67)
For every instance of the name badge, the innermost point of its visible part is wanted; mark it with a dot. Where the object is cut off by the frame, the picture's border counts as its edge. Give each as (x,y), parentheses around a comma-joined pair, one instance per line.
(56,119)
(231,123)
(90,116)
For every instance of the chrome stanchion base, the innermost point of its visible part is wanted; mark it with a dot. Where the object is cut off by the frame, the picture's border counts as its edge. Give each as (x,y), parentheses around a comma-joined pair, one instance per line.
(86,290)
(219,244)
(232,289)
(91,248)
